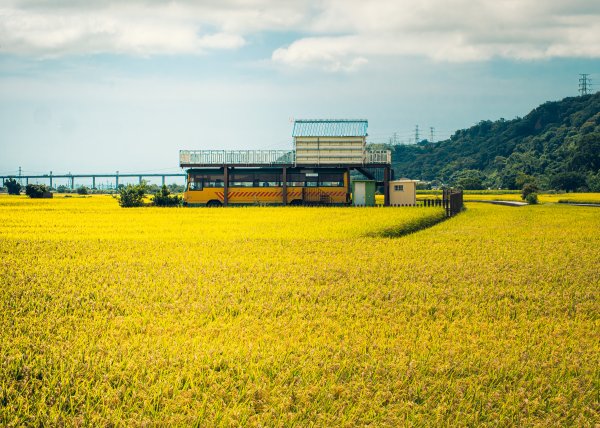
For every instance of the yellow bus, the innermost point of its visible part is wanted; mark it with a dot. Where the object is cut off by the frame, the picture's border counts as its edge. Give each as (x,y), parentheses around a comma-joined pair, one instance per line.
(258,186)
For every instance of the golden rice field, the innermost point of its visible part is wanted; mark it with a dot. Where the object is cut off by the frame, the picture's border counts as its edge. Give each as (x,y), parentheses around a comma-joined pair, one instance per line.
(542,197)
(297,316)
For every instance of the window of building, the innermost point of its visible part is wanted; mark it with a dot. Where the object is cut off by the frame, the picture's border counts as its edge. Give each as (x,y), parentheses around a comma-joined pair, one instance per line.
(399,187)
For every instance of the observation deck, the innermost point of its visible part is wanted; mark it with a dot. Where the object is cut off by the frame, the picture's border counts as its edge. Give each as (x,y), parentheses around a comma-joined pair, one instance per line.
(280,158)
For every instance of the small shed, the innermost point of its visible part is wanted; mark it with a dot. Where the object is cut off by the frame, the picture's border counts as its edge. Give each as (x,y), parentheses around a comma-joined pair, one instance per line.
(403,192)
(363,193)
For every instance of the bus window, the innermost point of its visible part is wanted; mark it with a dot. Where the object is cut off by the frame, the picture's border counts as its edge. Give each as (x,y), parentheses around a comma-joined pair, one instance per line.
(218,182)
(200,181)
(240,179)
(295,179)
(196,184)
(312,179)
(268,179)
(331,179)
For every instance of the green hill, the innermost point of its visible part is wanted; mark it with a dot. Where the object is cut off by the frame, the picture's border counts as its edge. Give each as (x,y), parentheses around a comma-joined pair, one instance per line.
(557,145)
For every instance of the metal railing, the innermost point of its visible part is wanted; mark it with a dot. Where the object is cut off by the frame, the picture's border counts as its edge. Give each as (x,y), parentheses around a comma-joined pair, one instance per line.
(235,157)
(265,157)
(378,156)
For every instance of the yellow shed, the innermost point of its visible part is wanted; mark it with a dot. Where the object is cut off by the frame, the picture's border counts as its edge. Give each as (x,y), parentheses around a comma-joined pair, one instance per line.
(403,192)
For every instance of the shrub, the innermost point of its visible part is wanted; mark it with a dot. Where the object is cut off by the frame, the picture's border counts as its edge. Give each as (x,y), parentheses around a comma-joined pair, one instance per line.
(529,188)
(532,198)
(63,189)
(13,187)
(164,198)
(132,195)
(82,190)
(37,191)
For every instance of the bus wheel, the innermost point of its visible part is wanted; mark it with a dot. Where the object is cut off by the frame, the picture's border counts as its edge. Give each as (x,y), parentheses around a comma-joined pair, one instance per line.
(213,203)
(296,202)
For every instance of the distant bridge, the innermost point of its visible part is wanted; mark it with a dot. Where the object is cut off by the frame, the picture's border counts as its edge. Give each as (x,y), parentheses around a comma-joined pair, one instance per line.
(71,178)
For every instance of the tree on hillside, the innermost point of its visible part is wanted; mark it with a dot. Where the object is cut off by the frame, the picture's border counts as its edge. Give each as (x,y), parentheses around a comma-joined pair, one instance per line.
(586,154)
(569,181)
(469,179)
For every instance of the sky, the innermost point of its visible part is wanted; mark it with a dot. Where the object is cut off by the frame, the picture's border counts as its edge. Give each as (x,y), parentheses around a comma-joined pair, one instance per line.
(100,86)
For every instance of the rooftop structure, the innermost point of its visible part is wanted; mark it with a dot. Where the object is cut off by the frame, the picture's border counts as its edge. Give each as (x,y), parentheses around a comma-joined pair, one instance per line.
(318,142)
(330,128)
(330,142)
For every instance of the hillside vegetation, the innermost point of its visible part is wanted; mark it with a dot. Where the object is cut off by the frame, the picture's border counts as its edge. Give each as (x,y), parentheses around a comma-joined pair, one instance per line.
(557,145)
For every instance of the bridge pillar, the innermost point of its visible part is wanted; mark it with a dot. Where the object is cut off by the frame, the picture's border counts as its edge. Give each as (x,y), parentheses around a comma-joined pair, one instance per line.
(140,179)
(93,182)
(117,181)
(50,179)
(163,180)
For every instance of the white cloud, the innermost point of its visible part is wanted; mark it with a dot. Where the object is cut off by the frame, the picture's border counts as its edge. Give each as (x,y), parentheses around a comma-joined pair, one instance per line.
(340,35)
(446,30)
(148,27)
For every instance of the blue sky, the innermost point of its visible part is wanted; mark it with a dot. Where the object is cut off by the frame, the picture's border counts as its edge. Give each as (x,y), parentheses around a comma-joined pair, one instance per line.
(125,85)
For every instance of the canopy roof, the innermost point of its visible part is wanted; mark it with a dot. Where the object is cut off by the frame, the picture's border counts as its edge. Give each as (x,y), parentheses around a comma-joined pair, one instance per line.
(330,128)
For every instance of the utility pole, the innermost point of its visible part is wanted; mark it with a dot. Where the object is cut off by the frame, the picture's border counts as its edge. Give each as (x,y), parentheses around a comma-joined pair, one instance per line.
(431,131)
(584,84)
(417,134)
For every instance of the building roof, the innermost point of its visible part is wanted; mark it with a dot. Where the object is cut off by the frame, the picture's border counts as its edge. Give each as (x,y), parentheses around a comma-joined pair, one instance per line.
(330,128)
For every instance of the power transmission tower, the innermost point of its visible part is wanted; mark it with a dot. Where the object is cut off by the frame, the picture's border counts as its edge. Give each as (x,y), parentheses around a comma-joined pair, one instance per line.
(417,134)
(431,131)
(584,84)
